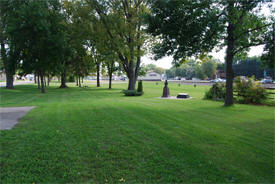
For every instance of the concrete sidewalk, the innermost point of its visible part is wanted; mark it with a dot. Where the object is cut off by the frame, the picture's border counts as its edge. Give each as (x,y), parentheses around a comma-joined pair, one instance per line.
(9,116)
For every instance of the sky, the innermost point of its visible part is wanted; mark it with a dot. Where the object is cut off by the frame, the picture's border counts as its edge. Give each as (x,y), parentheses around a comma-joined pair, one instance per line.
(166,62)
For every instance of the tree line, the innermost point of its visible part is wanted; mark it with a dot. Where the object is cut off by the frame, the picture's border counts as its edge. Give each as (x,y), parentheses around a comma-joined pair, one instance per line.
(193,69)
(186,28)
(53,37)
(250,66)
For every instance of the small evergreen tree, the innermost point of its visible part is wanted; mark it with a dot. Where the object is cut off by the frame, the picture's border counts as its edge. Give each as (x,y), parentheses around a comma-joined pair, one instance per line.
(140,87)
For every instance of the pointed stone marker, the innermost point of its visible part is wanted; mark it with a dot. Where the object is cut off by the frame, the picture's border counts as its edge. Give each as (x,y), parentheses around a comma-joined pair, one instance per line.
(166,92)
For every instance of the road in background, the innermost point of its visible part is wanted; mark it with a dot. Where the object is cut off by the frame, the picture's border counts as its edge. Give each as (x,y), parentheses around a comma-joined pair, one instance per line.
(186,82)
(3,84)
(208,83)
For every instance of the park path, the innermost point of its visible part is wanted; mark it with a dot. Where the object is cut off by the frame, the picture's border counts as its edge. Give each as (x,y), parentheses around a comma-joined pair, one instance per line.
(9,116)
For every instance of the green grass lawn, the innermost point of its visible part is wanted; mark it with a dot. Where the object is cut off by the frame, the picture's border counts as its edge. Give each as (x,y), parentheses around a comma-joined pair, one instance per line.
(96,135)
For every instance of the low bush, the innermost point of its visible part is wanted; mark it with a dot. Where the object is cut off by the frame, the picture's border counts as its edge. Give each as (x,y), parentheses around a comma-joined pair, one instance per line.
(249,91)
(140,87)
(246,91)
(216,92)
(132,93)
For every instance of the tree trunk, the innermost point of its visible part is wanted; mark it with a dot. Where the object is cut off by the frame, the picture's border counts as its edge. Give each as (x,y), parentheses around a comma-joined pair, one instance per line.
(42,83)
(79,82)
(110,80)
(82,79)
(133,71)
(76,80)
(38,81)
(97,75)
(9,74)
(229,60)
(45,82)
(229,82)
(131,77)
(132,83)
(138,61)
(49,80)
(9,81)
(35,81)
(63,81)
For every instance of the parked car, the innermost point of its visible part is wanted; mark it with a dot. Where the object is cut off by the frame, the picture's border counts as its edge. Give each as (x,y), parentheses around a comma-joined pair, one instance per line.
(266,81)
(123,78)
(177,78)
(218,80)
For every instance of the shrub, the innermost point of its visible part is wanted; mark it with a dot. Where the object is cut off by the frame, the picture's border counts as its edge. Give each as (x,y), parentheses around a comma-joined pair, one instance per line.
(249,91)
(140,87)
(216,92)
(246,90)
(132,93)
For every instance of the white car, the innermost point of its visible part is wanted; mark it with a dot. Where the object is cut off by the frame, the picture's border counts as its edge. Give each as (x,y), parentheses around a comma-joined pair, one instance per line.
(266,81)
(218,80)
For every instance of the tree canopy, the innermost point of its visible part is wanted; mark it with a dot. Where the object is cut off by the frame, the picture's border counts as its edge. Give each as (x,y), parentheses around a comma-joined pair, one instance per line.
(123,24)
(203,25)
(36,35)
(268,56)
(77,37)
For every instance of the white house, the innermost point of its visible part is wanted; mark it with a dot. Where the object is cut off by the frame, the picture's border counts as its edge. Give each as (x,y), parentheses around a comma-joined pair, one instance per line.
(151,76)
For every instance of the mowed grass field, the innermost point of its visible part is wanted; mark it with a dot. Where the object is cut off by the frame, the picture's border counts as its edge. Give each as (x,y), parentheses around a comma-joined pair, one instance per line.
(97,135)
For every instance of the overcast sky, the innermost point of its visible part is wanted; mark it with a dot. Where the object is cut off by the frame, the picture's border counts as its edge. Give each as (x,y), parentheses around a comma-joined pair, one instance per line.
(166,61)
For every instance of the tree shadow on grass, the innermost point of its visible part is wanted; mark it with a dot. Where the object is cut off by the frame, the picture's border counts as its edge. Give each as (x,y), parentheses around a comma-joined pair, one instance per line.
(30,95)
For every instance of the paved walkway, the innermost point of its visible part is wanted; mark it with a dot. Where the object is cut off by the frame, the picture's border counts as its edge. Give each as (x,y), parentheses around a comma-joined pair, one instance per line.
(9,116)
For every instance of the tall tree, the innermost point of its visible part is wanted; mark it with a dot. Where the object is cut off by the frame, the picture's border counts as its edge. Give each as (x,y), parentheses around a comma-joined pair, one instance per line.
(251,66)
(268,56)
(77,22)
(9,54)
(209,68)
(97,60)
(154,68)
(122,21)
(37,34)
(98,63)
(202,25)
(109,60)
(111,67)
(102,51)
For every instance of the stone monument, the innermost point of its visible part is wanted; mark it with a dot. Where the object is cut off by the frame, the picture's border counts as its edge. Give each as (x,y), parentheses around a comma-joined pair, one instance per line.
(166,92)
(183,95)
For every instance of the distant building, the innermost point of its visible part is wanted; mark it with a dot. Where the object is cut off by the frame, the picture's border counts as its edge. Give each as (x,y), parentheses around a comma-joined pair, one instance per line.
(151,76)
